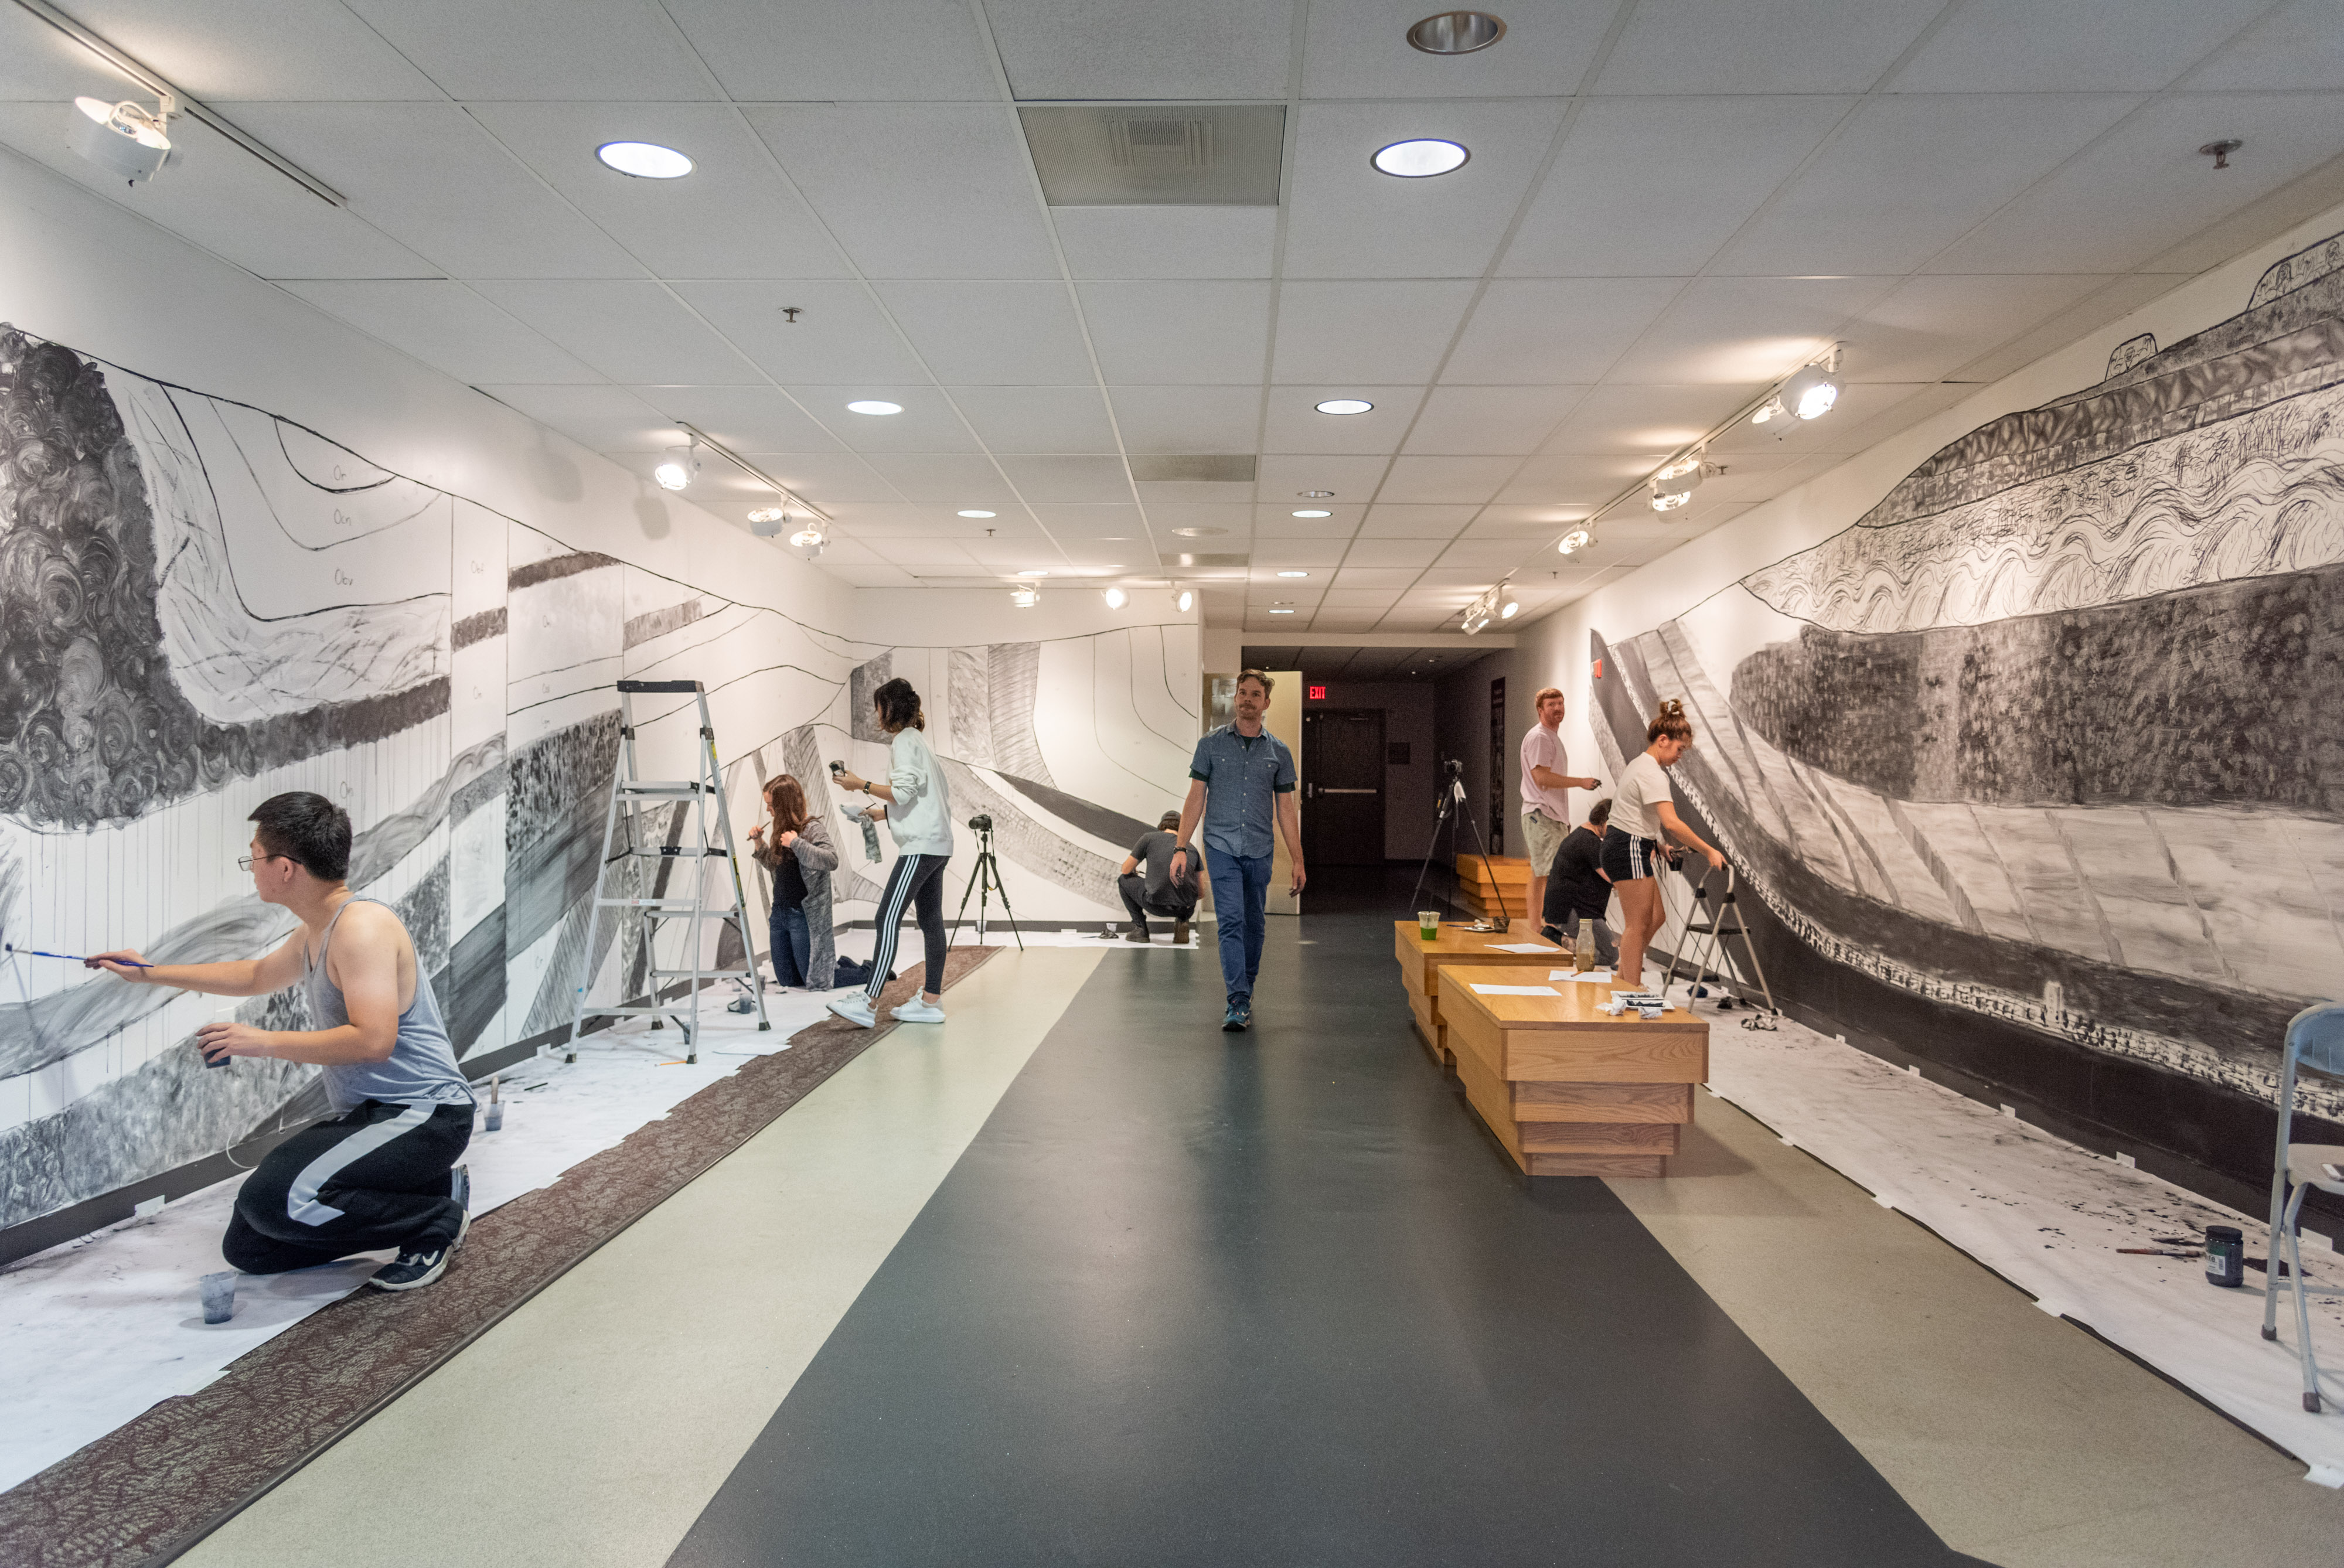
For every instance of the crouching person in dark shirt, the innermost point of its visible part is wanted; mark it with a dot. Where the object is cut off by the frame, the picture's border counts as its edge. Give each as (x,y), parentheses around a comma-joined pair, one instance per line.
(1147,886)
(1577,889)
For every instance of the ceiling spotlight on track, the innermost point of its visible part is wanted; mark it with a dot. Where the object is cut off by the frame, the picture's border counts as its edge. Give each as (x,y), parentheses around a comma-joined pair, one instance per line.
(767,521)
(128,141)
(1116,597)
(1485,609)
(677,468)
(1812,390)
(1674,485)
(1508,605)
(808,542)
(1577,539)
(1183,600)
(1421,158)
(1025,596)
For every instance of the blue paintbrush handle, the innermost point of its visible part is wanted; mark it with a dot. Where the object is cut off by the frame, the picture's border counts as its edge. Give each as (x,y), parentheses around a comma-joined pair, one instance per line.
(73,957)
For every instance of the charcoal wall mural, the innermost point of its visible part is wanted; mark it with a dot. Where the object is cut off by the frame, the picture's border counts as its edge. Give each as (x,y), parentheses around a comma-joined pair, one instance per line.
(2049,735)
(203,604)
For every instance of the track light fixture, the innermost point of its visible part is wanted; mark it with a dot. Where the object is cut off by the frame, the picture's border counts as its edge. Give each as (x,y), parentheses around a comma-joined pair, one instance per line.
(1183,600)
(1116,597)
(1025,596)
(808,542)
(126,140)
(767,521)
(1674,485)
(1809,392)
(1489,607)
(1508,605)
(679,468)
(1577,539)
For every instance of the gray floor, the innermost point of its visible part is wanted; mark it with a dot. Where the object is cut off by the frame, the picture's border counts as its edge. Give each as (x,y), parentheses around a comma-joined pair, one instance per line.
(1274,1298)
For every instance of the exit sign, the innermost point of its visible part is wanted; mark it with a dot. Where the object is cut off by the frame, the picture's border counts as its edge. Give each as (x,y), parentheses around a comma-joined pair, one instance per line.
(1318,693)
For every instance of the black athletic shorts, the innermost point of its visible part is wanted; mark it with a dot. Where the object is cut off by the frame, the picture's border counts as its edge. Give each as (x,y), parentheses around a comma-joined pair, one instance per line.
(1627,859)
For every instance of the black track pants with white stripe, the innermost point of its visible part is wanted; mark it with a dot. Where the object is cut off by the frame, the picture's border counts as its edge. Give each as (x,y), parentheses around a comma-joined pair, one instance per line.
(371,1177)
(916,883)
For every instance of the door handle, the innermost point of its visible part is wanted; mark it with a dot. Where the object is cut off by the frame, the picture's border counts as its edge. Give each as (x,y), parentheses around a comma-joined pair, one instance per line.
(1350,792)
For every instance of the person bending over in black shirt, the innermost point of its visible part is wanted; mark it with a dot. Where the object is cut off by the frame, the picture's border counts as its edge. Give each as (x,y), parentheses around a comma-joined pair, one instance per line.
(1577,889)
(1155,892)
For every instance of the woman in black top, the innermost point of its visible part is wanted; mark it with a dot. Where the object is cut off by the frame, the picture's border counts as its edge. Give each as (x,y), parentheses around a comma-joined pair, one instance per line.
(795,847)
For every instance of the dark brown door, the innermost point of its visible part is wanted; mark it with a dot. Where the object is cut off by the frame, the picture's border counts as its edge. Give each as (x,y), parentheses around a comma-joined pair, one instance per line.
(1343,786)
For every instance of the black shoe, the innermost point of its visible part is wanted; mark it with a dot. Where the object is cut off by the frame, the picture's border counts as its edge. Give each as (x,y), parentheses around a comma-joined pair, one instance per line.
(1135,932)
(1179,933)
(415,1267)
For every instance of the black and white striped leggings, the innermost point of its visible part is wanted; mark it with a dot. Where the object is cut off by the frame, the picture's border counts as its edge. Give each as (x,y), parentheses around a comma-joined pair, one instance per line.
(918,880)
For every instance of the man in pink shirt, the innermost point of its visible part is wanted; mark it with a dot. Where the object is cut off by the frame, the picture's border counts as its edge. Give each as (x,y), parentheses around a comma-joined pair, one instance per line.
(1546,792)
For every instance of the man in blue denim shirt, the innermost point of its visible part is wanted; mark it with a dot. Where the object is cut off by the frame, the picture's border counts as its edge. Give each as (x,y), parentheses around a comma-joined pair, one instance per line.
(1242,778)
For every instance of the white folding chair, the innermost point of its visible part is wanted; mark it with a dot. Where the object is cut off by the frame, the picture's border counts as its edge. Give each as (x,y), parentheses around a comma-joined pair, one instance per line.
(2315,1044)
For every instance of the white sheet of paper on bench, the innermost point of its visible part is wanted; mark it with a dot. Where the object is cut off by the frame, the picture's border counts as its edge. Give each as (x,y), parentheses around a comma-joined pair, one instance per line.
(1517,990)
(1574,975)
(1523,947)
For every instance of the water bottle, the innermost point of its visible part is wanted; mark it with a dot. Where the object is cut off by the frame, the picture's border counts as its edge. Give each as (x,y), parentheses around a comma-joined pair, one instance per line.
(1584,959)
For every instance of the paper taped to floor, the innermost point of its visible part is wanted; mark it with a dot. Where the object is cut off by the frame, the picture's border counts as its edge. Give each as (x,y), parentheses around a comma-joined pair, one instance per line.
(2049,1216)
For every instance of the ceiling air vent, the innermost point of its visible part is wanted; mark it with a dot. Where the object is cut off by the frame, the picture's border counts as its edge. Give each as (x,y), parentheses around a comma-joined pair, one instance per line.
(1193,559)
(1156,155)
(1208,468)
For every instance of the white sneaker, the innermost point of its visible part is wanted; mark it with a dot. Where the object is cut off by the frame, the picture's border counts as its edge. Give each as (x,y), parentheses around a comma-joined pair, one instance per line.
(855,1010)
(918,1012)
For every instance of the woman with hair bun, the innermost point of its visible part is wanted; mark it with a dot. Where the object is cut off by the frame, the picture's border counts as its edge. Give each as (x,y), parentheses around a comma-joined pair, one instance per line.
(1643,816)
(916,806)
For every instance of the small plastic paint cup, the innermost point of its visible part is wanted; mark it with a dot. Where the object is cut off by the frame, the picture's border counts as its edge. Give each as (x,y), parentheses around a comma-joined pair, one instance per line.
(2226,1256)
(1427,925)
(219,1297)
(492,1116)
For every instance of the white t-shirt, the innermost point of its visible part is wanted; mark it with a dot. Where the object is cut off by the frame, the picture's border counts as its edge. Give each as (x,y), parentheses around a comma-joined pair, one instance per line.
(1644,784)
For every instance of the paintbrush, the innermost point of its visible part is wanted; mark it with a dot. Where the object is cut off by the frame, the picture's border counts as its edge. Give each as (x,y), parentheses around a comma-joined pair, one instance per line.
(71,957)
(2157,1252)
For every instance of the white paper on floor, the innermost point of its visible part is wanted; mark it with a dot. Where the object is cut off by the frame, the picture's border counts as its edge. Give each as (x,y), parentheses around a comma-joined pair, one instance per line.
(2049,1216)
(100,1328)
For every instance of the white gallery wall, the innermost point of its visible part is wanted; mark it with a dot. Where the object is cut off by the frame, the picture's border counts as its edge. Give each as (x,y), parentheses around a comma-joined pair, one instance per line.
(2025,716)
(245,548)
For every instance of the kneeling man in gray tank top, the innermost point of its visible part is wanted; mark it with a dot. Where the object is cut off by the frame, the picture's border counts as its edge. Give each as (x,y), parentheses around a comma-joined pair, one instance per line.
(383,1172)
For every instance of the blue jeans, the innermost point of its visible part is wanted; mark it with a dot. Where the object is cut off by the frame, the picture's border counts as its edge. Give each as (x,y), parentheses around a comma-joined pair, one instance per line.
(793,946)
(1240,915)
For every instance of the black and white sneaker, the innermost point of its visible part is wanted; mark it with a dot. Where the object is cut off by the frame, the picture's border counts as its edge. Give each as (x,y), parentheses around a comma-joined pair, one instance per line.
(413,1268)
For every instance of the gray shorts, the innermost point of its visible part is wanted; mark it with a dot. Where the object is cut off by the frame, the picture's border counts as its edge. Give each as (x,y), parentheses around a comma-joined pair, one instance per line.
(1544,836)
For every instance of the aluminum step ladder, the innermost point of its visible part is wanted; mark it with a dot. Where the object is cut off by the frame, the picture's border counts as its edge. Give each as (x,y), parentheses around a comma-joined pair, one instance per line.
(637,828)
(1716,957)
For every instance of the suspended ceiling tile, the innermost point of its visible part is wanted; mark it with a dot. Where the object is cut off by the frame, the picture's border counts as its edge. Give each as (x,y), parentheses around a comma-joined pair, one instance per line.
(1931,325)
(1542,331)
(1069,480)
(608,50)
(222,197)
(746,418)
(1347,219)
(827,479)
(2146,186)
(917,191)
(40,64)
(2076,46)
(1278,522)
(1283,478)
(1471,421)
(1292,423)
(1373,333)
(428,175)
(1319,556)
(635,332)
(875,49)
(953,479)
(2298,45)
(1121,525)
(1167,241)
(1446,479)
(1038,419)
(1762,46)
(1178,331)
(1360,49)
(1009,332)
(929,423)
(1388,521)
(603,419)
(1746,331)
(1641,420)
(733,215)
(1572,481)
(227,51)
(1418,552)
(1911,174)
(447,327)
(1099,49)
(1163,420)
(839,336)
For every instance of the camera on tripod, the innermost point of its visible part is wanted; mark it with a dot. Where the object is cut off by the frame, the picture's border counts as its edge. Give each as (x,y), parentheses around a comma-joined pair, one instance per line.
(1454,767)
(980,823)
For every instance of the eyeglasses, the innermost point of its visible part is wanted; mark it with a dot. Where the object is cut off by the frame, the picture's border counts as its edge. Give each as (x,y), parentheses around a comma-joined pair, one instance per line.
(246,861)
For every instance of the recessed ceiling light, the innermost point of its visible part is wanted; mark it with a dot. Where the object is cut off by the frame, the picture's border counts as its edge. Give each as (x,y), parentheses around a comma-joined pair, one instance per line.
(1344,406)
(975,514)
(1421,159)
(1313,511)
(1281,613)
(1316,494)
(873,406)
(1199,532)
(1456,33)
(1037,572)
(644,160)
(1294,574)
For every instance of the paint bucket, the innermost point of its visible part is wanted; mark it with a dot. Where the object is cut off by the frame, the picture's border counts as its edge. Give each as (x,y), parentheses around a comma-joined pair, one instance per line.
(2226,1256)
(219,1296)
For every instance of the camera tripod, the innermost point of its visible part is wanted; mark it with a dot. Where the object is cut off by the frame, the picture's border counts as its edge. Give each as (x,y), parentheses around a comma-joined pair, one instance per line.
(985,881)
(1453,797)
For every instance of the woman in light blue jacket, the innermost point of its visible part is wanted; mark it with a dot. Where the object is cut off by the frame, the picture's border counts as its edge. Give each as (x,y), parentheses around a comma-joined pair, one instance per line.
(918,813)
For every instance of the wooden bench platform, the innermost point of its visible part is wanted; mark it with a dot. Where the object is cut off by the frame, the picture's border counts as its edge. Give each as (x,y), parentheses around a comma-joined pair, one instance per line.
(1570,1090)
(1420,964)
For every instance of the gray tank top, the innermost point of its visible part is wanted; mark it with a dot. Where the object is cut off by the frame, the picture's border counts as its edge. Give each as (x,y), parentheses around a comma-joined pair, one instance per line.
(421,1069)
